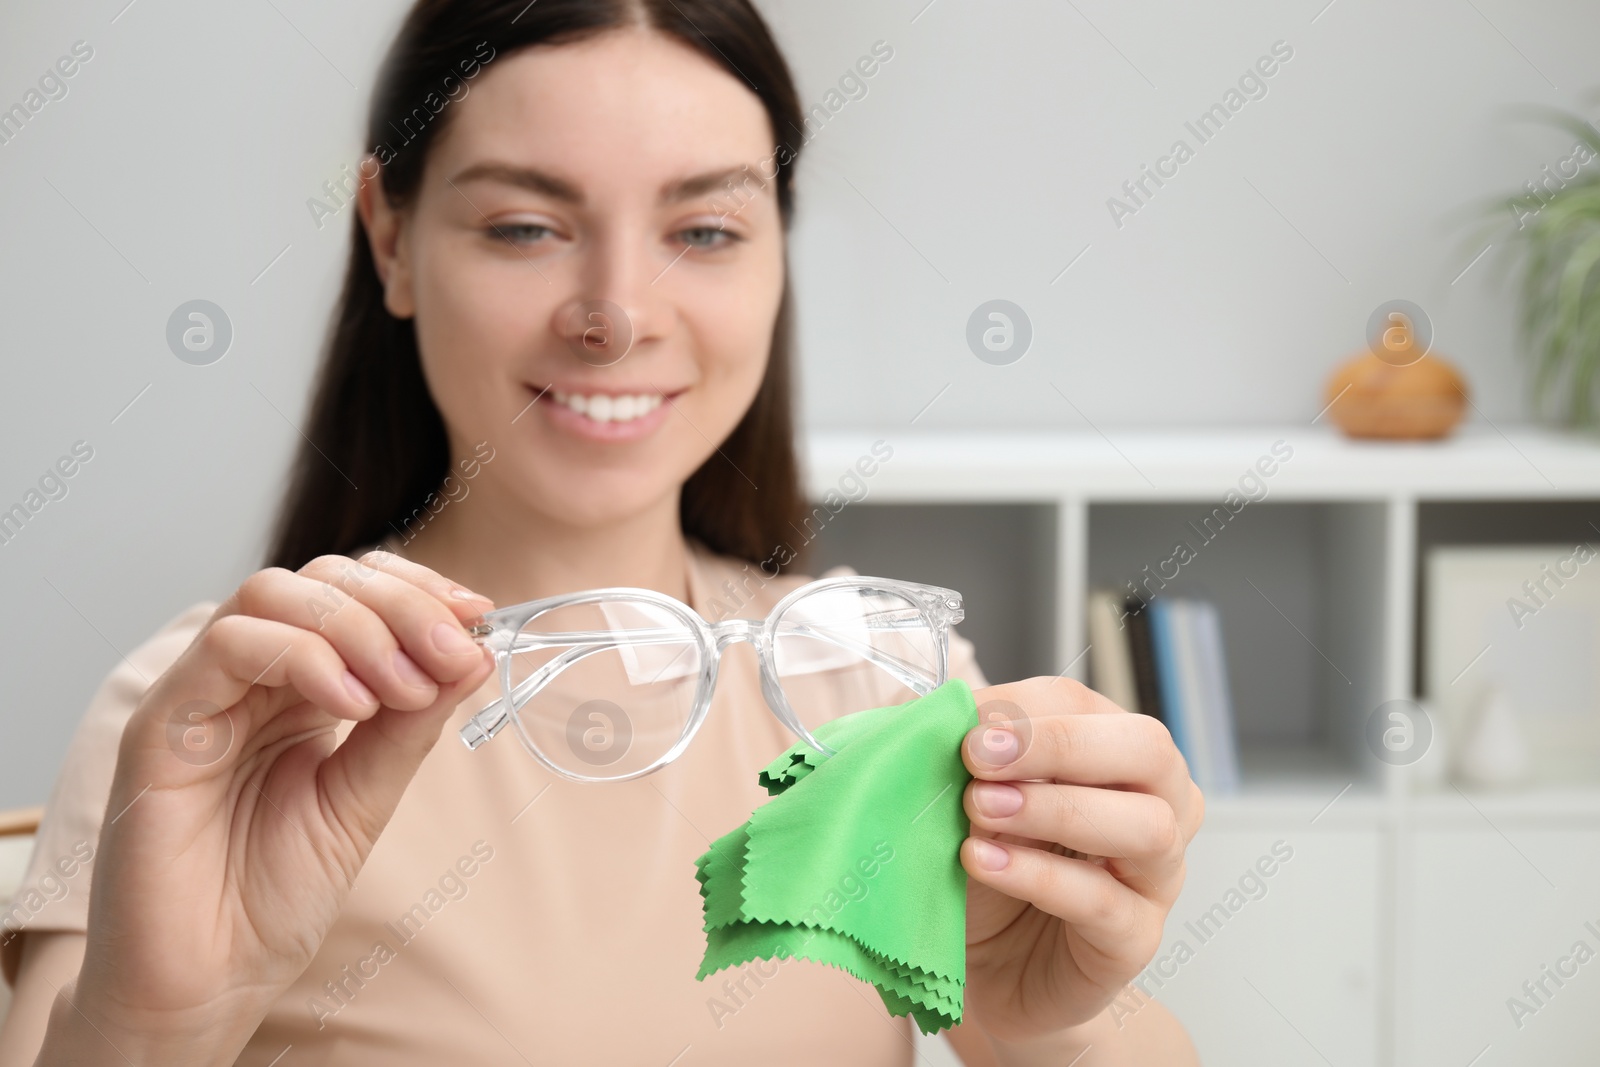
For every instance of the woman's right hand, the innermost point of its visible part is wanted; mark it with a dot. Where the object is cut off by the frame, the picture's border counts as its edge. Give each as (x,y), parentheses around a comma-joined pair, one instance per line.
(235,827)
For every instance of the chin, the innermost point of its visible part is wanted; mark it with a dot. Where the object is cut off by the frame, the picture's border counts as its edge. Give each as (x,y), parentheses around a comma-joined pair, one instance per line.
(604,497)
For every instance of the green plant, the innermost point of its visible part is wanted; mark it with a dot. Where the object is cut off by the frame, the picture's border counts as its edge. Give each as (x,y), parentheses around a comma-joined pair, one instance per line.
(1558,235)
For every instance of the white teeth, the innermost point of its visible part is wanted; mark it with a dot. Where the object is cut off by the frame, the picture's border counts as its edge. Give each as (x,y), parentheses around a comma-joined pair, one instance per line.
(603,407)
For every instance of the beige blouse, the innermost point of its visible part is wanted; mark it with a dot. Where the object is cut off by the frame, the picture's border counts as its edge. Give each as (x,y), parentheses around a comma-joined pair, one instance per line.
(508,916)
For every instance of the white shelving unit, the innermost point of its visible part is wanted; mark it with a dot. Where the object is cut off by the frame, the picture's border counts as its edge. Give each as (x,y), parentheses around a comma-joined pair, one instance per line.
(1318,585)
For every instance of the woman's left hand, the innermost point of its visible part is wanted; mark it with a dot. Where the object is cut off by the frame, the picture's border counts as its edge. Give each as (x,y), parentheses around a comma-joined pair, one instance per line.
(1061,772)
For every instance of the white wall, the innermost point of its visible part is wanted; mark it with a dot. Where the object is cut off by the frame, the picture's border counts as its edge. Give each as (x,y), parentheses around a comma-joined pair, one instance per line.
(977,166)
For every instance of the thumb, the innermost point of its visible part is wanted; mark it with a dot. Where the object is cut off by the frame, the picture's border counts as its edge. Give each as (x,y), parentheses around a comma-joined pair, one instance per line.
(366,776)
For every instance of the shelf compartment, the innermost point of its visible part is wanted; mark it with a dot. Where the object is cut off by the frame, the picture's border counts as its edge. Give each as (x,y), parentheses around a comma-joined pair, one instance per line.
(1300,590)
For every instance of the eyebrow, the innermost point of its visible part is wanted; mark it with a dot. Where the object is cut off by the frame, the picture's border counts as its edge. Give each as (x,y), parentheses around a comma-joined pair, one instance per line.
(700,184)
(530,178)
(546,184)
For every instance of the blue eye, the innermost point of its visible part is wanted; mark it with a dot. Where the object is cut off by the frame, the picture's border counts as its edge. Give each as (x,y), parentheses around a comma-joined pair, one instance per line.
(519,232)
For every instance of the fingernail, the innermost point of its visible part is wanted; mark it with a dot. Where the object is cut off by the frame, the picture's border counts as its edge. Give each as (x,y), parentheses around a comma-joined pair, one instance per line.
(461,592)
(409,672)
(990,856)
(360,692)
(996,799)
(452,640)
(998,746)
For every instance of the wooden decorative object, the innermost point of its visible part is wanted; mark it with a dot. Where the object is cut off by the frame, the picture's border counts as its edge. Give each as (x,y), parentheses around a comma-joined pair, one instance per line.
(1398,393)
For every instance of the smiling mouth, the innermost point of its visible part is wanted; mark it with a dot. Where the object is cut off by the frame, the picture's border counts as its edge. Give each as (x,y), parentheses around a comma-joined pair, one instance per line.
(607,407)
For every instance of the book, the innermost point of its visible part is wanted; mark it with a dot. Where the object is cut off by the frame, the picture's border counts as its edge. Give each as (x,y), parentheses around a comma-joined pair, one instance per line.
(1141,652)
(1110,656)
(1192,701)
(1171,660)
(1192,676)
(1217,698)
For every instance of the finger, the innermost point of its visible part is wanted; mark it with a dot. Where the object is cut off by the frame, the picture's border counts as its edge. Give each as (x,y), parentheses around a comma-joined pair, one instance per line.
(392,634)
(464,602)
(213,675)
(1110,916)
(1052,695)
(364,637)
(428,625)
(1039,737)
(431,633)
(366,776)
(1137,831)
(1131,751)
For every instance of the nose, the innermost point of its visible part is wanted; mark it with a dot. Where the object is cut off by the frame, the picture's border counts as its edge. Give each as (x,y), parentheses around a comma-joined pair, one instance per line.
(597,331)
(615,309)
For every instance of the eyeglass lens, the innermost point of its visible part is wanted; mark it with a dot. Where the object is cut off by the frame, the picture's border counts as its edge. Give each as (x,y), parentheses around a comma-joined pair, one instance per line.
(614,682)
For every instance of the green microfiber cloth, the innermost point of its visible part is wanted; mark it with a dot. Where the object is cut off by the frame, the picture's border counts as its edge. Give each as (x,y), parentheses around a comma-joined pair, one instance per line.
(854,863)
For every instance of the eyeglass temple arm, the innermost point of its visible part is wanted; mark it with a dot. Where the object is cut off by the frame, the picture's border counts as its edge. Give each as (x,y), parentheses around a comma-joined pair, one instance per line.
(494,716)
(533,642)
(599,641)
(904,671)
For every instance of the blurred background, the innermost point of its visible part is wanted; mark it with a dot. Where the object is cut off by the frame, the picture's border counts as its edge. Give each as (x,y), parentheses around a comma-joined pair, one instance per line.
(1203,337)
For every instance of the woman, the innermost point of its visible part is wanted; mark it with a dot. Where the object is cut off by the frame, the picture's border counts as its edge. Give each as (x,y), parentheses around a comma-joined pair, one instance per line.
(560,362)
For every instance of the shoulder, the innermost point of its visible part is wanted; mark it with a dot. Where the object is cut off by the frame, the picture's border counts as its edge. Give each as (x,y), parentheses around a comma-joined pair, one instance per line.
(964,661)
(93,751)
(125,685)
(120,692)
(77,803)
(726,587)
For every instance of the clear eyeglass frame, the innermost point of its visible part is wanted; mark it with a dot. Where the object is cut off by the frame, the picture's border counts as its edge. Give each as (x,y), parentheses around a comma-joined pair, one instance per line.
(502,631)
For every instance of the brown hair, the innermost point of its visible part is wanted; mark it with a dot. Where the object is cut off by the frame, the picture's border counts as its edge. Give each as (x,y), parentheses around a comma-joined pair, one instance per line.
(375,446)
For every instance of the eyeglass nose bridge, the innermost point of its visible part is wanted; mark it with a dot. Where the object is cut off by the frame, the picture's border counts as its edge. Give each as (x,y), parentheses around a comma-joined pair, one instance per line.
(942,607)
(732,631)
(497,715)
(756,632)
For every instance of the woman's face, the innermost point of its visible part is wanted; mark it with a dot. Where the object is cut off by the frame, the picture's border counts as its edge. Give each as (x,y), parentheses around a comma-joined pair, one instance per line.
(594,262)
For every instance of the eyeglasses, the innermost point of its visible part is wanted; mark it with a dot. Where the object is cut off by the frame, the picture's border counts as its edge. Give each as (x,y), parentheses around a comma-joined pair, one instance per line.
(612,684)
